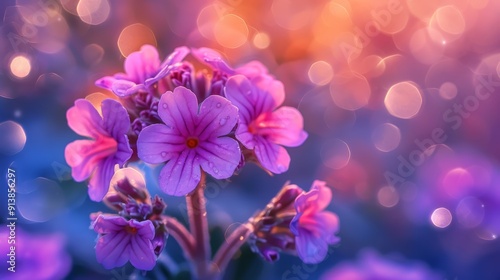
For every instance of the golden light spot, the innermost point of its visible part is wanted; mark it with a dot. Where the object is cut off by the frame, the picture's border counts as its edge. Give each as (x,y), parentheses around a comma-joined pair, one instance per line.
(261,40)
(231,31)
(20,66)
(192,143)
(133,37)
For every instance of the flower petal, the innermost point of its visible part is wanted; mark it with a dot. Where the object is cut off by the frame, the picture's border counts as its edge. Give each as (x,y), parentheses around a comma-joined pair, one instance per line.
(178,110)
(105,82)
(107,223)
(142,255)
(314,200)
(252,69)
(310,249)
(213,59)
(217,117)
(321,224)
(124,88)
(112,249)
(180,175)
(250,100)
(142,64)
(84,119)
(283,126)
(166,66)
(101,178)
(220,157)
(115,118)
(84,155)
(271,156)
(245,136)
(159,143)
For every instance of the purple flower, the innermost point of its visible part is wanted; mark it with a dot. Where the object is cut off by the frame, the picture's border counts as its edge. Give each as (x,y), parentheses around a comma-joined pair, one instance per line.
(142,69)
(120,241)
(96,158)
(373,266)
(35,257)
(314,229)
(190,139)
(262,128)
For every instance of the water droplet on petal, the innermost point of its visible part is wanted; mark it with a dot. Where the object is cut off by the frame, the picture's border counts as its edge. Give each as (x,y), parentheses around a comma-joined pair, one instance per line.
(223,121)
(249,92)
(216,171)
(218,105)
(164,105)
(211,164)
(163,154)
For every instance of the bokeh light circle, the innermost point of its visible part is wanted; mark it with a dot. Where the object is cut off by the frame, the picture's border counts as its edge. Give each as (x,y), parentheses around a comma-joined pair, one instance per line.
(133,37)
(386,137)
(335,154)
(231,31)
(441,217)
(320,73)
(20,66)
(13,138)
(470,212)
(350,91)
(40,200)
(388,196)
(403,100)
(93,12)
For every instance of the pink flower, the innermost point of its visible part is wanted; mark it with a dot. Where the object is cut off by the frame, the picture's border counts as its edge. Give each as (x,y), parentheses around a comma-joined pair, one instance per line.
(190,139)
(262,127)
(96,157)
(120,241)
(314,229)
(142,69)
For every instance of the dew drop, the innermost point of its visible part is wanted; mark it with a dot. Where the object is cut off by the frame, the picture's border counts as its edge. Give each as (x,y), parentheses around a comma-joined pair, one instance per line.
(164,105)
(249,92)
(216,171)
(218,105)
(223,121)
(163,154)
(211,164)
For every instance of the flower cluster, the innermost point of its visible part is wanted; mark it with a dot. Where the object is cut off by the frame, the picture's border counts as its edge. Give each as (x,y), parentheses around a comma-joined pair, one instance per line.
(295,222)
(137,233)
(192,121)
(213,118)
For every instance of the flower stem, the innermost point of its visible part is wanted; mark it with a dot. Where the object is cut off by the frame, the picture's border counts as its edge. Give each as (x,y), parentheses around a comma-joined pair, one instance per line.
(229,248)
(197,214)
(181,235)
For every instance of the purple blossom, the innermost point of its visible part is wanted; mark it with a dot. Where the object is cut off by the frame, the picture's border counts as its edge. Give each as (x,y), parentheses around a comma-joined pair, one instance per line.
(120,241)
(36,256)
(142,69)
(314,229)
(262,127)
(190,139)
(96,157)
(373,266)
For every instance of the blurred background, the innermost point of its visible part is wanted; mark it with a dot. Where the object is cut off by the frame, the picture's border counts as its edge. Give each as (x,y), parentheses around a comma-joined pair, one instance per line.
(400,99)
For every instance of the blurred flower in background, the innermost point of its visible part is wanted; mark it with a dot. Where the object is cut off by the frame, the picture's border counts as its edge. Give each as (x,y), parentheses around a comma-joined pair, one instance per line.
(399,98)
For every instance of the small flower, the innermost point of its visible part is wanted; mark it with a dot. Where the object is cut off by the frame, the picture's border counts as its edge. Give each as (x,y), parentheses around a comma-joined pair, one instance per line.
(120,241)
(190,139)
(314,229)
(262,127)
(96,158)
(142,69)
